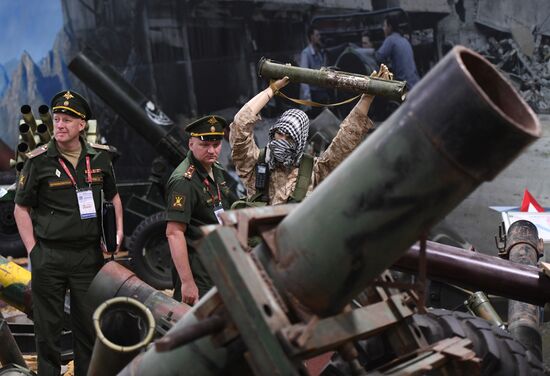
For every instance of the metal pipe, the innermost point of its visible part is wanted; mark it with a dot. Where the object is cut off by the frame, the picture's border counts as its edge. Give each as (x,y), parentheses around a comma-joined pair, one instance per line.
(27,134)
(187,334)
(123,327)
(201,357)
(332,79)
(115,280)
(46,117)
(43,132)
(28,117)
(524,318)
(15,287)
(9,350)
(420,164)
(139,112)
(474,270)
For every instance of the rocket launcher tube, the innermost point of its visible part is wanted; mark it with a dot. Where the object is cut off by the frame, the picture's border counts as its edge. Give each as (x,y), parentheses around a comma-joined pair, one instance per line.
(28,117)
(328,78)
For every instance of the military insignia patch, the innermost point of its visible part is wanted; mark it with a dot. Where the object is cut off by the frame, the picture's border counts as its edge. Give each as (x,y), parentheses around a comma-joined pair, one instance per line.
(178,201)
(22,180)
(212,121)
(68,95)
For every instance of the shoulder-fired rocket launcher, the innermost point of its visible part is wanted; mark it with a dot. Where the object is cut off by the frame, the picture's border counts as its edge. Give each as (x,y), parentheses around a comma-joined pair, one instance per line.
(334,79)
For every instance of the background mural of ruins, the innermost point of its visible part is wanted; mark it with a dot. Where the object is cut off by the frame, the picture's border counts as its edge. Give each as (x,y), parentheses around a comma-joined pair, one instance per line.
(197,57)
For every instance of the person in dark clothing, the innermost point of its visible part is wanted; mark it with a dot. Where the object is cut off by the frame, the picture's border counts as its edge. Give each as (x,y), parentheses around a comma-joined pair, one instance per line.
(57,202)
(196,195)
(397,50)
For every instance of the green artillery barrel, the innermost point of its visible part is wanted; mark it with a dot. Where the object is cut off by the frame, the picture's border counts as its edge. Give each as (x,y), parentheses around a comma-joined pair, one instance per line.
(114,280)
(123,327)
(15,286)
(27,134)
(421,163)
(43,133)
(28,117)
(328,78)
(46,117)
(403,179)
(9,350)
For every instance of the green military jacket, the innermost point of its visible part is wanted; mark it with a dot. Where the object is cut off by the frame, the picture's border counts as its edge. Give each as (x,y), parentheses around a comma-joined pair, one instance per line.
(192,196)
(45,187)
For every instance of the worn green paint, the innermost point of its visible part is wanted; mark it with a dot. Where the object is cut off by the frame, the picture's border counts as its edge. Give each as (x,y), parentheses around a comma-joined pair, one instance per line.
(355,83)
(403,179)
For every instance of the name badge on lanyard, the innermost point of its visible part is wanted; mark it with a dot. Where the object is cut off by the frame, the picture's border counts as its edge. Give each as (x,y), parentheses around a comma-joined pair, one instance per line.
(85,197)
(217,211)
(86,203)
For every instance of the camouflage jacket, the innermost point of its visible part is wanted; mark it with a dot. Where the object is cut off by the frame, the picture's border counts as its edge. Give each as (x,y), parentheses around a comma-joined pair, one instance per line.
(245,154)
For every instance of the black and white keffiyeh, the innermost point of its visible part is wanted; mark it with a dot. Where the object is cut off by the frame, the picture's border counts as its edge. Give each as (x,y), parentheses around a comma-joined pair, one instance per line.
(295,124)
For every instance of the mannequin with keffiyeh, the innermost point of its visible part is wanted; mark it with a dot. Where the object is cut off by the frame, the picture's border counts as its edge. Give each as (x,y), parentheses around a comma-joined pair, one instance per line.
(287,141)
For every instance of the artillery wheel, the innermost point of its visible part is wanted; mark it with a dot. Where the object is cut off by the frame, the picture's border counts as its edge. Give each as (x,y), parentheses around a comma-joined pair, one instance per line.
(500,353)
(10,241)
(150,254)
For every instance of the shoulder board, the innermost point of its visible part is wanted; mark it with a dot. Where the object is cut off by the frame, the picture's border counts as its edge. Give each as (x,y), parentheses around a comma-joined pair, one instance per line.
(100,146)
(39,150)
(189,173)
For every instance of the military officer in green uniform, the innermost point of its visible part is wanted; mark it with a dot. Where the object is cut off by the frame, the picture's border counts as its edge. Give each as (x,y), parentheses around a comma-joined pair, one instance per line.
(196,195)
(57,201)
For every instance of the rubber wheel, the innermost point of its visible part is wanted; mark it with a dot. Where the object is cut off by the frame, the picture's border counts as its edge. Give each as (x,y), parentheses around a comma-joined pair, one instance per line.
(500,353)
(150,253)
(10,241)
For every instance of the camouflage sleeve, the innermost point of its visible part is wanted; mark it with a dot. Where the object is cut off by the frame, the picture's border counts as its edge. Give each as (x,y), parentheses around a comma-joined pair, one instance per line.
(352,131)
(26,193)
(244,151)
(179,205)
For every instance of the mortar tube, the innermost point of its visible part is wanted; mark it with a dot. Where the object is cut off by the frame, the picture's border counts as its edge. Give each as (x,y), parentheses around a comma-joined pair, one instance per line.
(403,179)
(123,327)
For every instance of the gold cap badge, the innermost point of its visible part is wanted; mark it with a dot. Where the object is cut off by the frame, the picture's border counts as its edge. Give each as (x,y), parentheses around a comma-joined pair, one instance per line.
(212,121)
(68,95)
(66,103)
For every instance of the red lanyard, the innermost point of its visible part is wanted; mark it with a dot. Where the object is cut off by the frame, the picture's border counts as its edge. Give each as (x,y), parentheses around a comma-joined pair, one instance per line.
(207,184)
(68,172)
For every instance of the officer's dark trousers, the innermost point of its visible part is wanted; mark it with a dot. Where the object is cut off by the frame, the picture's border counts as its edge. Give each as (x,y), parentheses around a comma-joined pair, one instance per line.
(54,270)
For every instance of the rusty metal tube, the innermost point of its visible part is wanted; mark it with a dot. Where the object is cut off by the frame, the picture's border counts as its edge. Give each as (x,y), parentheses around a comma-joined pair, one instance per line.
(9,350)
(123,327)
(474,270)
(422,162)
(524,318)
(115,280)
(328,78)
